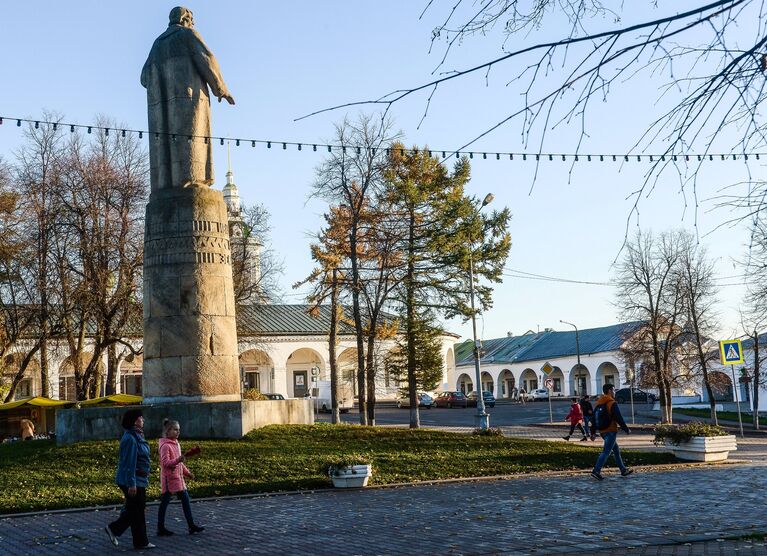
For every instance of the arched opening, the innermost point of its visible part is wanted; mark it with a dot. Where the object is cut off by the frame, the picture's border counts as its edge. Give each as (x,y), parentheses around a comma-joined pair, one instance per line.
(464,384)
(131,375)
(29,385)
(449,366)
(558,377)
(505,383)
(580,378)
(347,369)
(607,373)
(721,385)
(257,371)
(67,389)
(303,365)
(528,381)
(487,382)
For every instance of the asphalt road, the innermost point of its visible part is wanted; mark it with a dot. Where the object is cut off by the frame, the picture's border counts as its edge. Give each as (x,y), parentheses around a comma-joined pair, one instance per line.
(503,414)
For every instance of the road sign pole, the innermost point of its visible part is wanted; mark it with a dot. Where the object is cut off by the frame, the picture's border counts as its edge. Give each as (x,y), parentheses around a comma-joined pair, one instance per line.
(737,403)
(551,415)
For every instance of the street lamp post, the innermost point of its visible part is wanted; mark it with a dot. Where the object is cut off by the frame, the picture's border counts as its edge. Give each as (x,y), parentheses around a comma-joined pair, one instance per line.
(578,355)
(481,419)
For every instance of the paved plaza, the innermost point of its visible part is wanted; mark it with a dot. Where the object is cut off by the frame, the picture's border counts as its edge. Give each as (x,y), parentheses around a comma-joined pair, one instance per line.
(690,511)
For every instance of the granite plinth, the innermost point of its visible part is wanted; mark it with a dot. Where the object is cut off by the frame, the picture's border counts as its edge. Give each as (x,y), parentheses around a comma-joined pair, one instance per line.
(197,420)
(190,334)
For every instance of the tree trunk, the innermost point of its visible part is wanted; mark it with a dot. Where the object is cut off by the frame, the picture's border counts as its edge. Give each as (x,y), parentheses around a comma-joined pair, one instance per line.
(359,333)
(371,373)
(111,385)
(335,412)
(755,382)
(415,421)
(45,386)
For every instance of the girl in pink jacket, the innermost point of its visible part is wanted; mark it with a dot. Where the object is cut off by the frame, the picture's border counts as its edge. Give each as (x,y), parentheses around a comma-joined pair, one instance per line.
(576,418)
(172,473)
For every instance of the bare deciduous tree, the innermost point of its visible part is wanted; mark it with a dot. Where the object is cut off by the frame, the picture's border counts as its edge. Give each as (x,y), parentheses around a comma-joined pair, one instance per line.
(649,290)
(351,178)
(711,58)
(696,278)
(256,267)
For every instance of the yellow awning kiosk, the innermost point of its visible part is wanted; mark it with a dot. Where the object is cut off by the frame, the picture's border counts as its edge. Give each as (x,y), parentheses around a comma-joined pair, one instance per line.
(114,399)
(41,411)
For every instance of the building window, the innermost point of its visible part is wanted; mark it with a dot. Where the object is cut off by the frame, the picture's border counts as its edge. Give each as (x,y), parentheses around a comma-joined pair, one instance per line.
(557,385)
(24,389)
(252,380)
(67,388)
(131,384)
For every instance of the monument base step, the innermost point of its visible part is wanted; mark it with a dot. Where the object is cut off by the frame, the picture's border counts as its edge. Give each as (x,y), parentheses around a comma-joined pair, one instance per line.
(198,419)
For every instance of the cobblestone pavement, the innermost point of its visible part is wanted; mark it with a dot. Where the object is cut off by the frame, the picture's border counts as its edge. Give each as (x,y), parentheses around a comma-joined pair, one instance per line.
(651,512)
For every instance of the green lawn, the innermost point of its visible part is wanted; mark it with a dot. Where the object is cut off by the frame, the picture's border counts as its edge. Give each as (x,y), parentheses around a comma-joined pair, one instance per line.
(39,475)
(723,415)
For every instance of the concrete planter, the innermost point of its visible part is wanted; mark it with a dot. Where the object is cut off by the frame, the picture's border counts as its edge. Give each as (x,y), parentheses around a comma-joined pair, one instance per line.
(705,448)
(351,476)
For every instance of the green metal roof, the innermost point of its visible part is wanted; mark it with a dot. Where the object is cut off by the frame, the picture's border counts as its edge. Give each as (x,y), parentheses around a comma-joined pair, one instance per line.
(286,320)
(547,345)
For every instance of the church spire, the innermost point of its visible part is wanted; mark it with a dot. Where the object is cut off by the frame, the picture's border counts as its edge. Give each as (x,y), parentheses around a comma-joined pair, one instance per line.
(229,174)
(231,196)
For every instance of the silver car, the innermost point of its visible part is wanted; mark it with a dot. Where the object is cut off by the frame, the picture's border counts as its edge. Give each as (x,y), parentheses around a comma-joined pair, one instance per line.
(539,394)
(424,400)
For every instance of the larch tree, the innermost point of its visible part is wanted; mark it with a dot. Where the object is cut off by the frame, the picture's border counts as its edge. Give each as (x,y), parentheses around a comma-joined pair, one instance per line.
(351,177)
(326,280)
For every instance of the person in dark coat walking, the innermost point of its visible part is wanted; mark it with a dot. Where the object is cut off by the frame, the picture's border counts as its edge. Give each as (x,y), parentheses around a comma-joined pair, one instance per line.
(133,479)
(588,417)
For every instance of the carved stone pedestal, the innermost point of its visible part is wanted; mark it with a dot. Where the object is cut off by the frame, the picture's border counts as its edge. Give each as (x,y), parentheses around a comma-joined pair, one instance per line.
(190,335)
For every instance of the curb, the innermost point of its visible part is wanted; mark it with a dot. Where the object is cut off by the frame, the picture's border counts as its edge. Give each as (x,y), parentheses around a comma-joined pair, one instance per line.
(517,476)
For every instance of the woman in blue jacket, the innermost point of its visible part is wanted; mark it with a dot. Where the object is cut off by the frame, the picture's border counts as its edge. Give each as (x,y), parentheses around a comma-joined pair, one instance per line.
(133,479)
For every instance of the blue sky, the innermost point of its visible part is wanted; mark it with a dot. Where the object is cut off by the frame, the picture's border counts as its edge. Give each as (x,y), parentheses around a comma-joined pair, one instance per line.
(282,60)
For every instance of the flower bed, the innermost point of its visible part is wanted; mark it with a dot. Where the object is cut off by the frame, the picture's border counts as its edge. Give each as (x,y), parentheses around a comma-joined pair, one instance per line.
(696,441)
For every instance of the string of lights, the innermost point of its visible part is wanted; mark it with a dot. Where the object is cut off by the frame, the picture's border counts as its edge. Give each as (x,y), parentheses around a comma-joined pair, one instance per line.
(445,153)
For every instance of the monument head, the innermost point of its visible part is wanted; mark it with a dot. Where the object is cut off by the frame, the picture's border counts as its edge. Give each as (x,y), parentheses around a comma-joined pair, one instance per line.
(181,16)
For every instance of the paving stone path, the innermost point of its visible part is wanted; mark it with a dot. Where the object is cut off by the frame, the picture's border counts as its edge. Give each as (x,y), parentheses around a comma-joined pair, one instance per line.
(651,512)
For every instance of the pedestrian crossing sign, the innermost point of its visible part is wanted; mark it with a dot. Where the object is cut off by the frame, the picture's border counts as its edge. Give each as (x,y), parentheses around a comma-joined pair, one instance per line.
(731,352)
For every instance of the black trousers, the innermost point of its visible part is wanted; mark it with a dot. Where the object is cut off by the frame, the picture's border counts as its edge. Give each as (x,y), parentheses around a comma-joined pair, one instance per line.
(132,515)
(580,428)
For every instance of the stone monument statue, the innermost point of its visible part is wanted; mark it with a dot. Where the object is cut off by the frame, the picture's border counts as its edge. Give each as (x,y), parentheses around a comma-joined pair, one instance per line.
(177,74)
(190,337)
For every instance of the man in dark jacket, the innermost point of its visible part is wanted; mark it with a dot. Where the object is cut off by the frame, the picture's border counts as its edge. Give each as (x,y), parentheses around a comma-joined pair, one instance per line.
(588,417)
(609,432)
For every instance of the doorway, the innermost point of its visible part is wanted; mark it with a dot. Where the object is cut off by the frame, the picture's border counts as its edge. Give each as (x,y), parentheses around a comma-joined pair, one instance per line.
(299,384)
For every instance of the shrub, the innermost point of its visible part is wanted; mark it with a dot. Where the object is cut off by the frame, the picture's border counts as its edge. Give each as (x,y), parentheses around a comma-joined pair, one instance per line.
(492,431)
(676,434)
(253,394)
(330,467)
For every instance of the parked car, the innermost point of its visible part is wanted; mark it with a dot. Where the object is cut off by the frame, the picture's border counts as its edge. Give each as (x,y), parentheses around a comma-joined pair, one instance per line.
(450,399)
(274,396)
(487,397)
(540,394)
(624,395)
(424,400)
